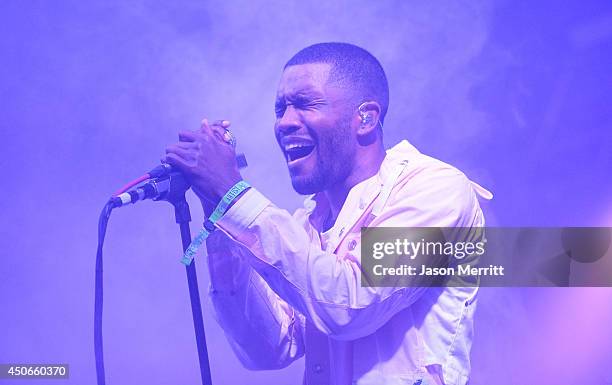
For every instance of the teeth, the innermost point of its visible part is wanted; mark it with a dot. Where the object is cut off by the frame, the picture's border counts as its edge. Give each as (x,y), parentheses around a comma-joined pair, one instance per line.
(294,146)
(294,151)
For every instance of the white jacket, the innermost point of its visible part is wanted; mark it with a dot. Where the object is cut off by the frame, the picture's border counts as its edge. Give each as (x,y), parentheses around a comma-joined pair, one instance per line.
(281,290)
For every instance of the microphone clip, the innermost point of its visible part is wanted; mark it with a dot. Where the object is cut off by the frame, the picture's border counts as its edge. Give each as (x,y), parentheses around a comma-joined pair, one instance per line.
(169,185)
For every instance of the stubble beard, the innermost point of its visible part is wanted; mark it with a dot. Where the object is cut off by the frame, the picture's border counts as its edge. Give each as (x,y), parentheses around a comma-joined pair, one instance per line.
(335,160)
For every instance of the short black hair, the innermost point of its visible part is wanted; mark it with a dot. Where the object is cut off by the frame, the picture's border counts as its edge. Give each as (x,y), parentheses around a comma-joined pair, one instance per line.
(353,67)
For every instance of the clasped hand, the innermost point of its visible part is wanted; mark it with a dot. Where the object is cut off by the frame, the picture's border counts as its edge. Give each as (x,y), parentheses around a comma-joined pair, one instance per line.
(206,159)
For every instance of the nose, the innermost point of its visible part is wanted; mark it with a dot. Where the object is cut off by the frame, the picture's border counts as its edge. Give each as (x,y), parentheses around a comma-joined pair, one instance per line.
(288,123)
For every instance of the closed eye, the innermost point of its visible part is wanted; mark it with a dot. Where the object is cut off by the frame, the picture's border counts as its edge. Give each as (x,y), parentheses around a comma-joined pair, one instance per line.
(279,109)
(299,102)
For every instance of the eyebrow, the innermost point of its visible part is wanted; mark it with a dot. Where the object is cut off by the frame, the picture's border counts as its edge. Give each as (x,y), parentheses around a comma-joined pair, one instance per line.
(298,96)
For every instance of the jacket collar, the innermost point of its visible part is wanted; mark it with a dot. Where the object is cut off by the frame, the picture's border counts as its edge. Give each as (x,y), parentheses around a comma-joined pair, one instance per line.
(362,194)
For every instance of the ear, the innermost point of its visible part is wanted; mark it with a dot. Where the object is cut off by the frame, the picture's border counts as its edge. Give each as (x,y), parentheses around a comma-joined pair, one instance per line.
(369,119)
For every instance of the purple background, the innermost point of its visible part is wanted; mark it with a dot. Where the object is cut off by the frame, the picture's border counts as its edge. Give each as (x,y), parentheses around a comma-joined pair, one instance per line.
(516,94)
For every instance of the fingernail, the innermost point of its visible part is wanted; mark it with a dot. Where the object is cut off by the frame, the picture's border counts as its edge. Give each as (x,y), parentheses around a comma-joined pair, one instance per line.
(225,123)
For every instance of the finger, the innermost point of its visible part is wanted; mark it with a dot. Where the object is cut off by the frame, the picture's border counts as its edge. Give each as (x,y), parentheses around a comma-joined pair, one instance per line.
(205,127)
(187,145)
(222,123)
(184,153)
(219,133)
(175,160)
(187,136)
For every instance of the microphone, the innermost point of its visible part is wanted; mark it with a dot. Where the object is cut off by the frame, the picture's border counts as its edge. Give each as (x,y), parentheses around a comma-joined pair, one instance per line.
(166,183)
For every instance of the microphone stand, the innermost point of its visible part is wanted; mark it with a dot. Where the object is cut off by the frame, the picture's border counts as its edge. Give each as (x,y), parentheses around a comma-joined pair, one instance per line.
(176,196)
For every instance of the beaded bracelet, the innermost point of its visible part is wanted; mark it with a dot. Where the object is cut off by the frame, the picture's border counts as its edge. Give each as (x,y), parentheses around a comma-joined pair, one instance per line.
(209,224)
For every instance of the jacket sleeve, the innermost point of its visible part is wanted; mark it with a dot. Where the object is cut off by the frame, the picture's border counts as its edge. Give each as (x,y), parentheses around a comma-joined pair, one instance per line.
(325,288)
(262,329)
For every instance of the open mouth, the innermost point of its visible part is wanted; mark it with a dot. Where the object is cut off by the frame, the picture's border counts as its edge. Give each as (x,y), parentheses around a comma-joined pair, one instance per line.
(294,152)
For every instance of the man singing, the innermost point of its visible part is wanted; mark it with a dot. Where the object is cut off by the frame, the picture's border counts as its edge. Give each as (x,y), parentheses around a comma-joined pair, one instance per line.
(285,286)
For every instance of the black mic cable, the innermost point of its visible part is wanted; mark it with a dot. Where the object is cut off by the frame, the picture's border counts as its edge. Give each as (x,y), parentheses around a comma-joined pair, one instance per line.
(164,183)
(98,296)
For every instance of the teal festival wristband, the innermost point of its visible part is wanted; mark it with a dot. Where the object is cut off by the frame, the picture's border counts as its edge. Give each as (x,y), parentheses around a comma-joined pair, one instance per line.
(209,224)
